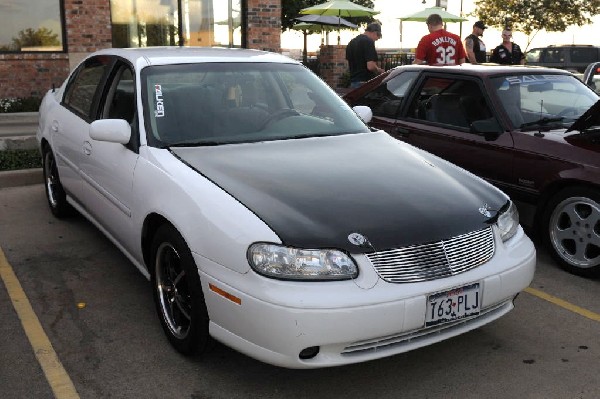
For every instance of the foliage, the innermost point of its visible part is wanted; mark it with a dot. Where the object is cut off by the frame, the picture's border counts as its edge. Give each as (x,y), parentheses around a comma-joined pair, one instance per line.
(20,159)
(532,16)
(290,9)
(20,104)
(42,37)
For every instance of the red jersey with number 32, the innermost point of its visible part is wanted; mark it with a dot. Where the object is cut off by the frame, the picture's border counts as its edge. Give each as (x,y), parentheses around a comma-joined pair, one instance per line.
(440,48)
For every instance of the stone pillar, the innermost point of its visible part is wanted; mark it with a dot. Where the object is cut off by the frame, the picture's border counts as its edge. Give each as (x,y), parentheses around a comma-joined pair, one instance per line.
(332,65)
(264,25)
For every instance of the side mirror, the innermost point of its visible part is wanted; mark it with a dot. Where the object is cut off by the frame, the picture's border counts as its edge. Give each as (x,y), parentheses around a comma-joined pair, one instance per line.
(363,113)
(490,129)
(111,131)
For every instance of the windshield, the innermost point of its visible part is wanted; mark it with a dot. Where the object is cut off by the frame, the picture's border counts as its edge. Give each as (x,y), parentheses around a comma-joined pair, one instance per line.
(533,101)
(221,103)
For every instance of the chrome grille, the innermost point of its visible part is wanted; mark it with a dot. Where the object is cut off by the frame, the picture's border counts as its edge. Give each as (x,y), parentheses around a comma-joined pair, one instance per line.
(434,260)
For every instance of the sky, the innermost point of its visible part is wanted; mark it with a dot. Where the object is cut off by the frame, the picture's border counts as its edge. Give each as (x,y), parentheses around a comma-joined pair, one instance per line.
(392,10)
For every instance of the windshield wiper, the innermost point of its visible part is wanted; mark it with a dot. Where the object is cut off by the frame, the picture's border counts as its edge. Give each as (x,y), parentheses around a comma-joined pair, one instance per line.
(194,144)
(543,122)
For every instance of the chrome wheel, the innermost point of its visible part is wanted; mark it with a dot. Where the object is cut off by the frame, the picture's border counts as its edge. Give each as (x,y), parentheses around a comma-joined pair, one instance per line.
(173,294)
(51,179)
(55,193)
(574,232)
(178,292)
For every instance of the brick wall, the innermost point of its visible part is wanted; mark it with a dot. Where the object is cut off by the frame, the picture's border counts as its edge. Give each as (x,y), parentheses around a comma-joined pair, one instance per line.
(31,75)
(264,25)
(88,28)
(332,64)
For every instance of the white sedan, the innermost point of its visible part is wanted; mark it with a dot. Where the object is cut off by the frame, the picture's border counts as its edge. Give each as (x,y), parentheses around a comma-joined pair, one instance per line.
(268,216)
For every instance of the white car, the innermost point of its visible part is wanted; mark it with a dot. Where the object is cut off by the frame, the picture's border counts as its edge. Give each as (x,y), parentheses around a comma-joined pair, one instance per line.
(268,216)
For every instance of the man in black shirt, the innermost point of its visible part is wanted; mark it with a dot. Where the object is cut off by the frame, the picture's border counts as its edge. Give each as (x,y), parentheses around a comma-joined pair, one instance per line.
(362,56)
(508,53)
(474,46)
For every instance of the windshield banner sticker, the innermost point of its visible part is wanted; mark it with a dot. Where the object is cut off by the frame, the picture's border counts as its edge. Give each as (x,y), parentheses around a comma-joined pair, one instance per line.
(533,79)
(159,112)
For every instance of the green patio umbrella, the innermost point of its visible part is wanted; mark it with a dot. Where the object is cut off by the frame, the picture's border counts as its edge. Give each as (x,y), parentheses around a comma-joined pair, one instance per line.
(422,15)
(340,9)
(320,25)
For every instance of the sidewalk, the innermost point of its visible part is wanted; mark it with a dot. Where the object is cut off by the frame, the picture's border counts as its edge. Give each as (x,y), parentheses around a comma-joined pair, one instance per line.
(17,131)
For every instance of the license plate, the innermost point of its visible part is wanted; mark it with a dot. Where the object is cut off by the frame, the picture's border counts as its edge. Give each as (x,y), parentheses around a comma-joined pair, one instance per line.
(452,305)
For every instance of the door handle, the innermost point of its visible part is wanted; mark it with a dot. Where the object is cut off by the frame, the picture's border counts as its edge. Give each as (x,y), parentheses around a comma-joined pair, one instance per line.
(54,126)
(87,147)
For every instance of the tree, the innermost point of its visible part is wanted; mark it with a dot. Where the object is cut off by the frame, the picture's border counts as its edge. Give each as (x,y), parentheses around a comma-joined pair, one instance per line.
(290,9)
(42,37)
(532,16)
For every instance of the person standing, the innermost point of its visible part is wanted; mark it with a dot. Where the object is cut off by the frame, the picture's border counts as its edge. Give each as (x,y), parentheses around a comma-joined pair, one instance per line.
(474,46)
(362,57)
(508,52)
(439,47)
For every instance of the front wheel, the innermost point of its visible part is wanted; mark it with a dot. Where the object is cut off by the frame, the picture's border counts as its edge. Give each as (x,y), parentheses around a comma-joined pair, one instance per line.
(55,193)
(572,230)
(178,293)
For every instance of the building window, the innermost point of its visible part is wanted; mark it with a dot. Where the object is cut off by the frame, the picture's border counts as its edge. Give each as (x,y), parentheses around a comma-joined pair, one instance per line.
(31,26)
(143,23)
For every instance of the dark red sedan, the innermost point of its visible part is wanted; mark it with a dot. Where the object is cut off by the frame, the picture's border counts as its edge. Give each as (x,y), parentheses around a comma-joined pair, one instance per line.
(533,132)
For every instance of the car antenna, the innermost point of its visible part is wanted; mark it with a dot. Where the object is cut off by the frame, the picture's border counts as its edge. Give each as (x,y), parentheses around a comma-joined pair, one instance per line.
(539,132)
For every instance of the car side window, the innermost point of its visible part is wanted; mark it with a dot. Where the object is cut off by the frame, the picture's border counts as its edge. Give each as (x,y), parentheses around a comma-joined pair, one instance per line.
(385,101)
(120,101)
(82,91)
(533,55)
(454,102)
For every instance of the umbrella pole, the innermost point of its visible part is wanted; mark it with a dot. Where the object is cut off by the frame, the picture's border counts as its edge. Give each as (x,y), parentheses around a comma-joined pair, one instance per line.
(305,53)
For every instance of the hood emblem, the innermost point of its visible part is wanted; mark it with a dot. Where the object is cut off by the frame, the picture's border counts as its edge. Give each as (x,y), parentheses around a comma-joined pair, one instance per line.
(485,211)
(359,240)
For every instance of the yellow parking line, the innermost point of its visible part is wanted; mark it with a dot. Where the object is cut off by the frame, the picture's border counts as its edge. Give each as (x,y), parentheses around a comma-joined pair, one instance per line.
(57,377)
(564,304)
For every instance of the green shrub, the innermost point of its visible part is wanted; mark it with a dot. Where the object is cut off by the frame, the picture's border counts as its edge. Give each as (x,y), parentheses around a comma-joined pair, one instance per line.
(20,104)
(20,159)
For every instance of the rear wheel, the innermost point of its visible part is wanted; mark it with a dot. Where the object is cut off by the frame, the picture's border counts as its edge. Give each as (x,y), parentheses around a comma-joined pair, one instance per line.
(572,230)
(55,193)
(178,293)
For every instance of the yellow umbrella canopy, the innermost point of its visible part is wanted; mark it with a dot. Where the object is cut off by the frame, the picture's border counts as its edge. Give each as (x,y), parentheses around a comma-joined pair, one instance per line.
(340,8)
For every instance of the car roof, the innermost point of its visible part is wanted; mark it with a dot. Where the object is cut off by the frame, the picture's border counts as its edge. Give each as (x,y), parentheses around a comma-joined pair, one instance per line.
(482,70)
(180,55)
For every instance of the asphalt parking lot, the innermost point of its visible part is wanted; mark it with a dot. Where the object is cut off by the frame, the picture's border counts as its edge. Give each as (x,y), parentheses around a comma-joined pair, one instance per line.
(91,332)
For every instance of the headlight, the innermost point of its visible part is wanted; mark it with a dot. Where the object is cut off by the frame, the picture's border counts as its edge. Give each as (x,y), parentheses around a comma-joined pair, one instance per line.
(282,262)
(508,222)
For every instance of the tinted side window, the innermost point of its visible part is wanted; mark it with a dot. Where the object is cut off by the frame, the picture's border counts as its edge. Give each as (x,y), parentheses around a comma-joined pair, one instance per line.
(454,102)
(82,90)
(553,55)
(584,55)
(385,101)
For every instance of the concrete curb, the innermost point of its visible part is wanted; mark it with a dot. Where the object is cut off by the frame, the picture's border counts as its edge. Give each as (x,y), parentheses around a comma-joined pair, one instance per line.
(23,177)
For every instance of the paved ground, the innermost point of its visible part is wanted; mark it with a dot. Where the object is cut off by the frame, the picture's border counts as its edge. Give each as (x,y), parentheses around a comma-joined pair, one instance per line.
(97,313)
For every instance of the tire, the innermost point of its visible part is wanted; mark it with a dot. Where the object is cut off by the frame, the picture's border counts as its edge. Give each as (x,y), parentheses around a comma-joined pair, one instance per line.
(572,230)
(55,193)
(178,293)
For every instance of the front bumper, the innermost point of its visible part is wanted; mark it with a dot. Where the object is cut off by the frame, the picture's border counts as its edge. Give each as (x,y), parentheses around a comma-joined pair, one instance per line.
(351,321)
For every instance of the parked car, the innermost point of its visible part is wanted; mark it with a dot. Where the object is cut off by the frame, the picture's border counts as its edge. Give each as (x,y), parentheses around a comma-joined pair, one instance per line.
(533,132)
(591,76)
(572,57)
(268,216)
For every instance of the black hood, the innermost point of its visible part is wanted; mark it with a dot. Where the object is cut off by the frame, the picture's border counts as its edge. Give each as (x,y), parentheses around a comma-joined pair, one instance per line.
(590,118)
(315,192)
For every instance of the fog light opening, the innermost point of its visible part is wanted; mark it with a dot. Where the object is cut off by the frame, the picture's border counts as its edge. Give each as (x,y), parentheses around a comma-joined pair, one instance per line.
(309,353)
